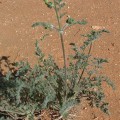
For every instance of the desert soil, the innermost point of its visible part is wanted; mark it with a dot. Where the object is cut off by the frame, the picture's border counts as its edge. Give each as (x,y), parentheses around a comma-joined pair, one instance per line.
(17,39)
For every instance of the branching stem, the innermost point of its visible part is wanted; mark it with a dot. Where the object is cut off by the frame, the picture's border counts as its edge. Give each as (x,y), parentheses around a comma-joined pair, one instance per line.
(86,61)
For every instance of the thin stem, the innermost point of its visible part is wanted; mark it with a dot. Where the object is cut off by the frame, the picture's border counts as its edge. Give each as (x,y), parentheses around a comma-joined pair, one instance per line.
(63,48)
(57,15)
(13,112)
(85,61)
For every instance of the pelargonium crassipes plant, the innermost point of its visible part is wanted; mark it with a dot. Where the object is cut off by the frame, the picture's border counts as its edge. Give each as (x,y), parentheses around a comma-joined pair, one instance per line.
(26,90)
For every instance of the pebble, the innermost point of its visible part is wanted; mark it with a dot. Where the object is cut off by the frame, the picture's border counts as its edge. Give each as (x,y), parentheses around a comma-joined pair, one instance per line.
(96,118)
(98,27)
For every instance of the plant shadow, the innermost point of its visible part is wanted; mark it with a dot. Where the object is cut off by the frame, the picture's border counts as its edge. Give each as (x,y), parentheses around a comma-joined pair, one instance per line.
(6,65)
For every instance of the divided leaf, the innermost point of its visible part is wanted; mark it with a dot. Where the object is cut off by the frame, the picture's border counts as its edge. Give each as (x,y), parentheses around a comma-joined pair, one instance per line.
(67,105)
(43,24)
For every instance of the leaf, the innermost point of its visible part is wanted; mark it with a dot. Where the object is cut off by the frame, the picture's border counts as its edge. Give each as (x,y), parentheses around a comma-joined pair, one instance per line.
(8,75)
(43,24)
(49,4)
(70,20)
(49,93)
(44,36)
(5,118)
(82,22)
(19,89)
(92,36)
(104,108)
(74,47)
(109,82)
(106,31)
(38,52)
(67,105)
(101,60)
(23,70)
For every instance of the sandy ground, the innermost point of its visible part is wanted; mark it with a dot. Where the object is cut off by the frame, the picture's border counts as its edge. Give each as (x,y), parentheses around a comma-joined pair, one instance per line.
(17,39)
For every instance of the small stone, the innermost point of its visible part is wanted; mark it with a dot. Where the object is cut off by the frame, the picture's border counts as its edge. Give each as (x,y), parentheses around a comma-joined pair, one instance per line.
(98,27)
(85,108)
(96,118)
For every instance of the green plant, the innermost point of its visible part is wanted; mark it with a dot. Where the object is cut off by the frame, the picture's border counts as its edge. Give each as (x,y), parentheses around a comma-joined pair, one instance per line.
(24,91)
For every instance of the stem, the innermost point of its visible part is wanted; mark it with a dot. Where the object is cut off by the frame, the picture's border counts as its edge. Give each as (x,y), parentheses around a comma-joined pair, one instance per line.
(11,112)
(85,61)
(63,48)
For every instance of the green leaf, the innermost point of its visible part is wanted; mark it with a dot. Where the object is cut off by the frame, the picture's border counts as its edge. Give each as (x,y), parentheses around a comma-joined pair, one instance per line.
(101,60)
(67,105)
(8,75)
(109,82)
(104,108)
(70,20)
(44,36)
(82,22)
(38,52)
(92,36)
(49,4)
(43,24)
